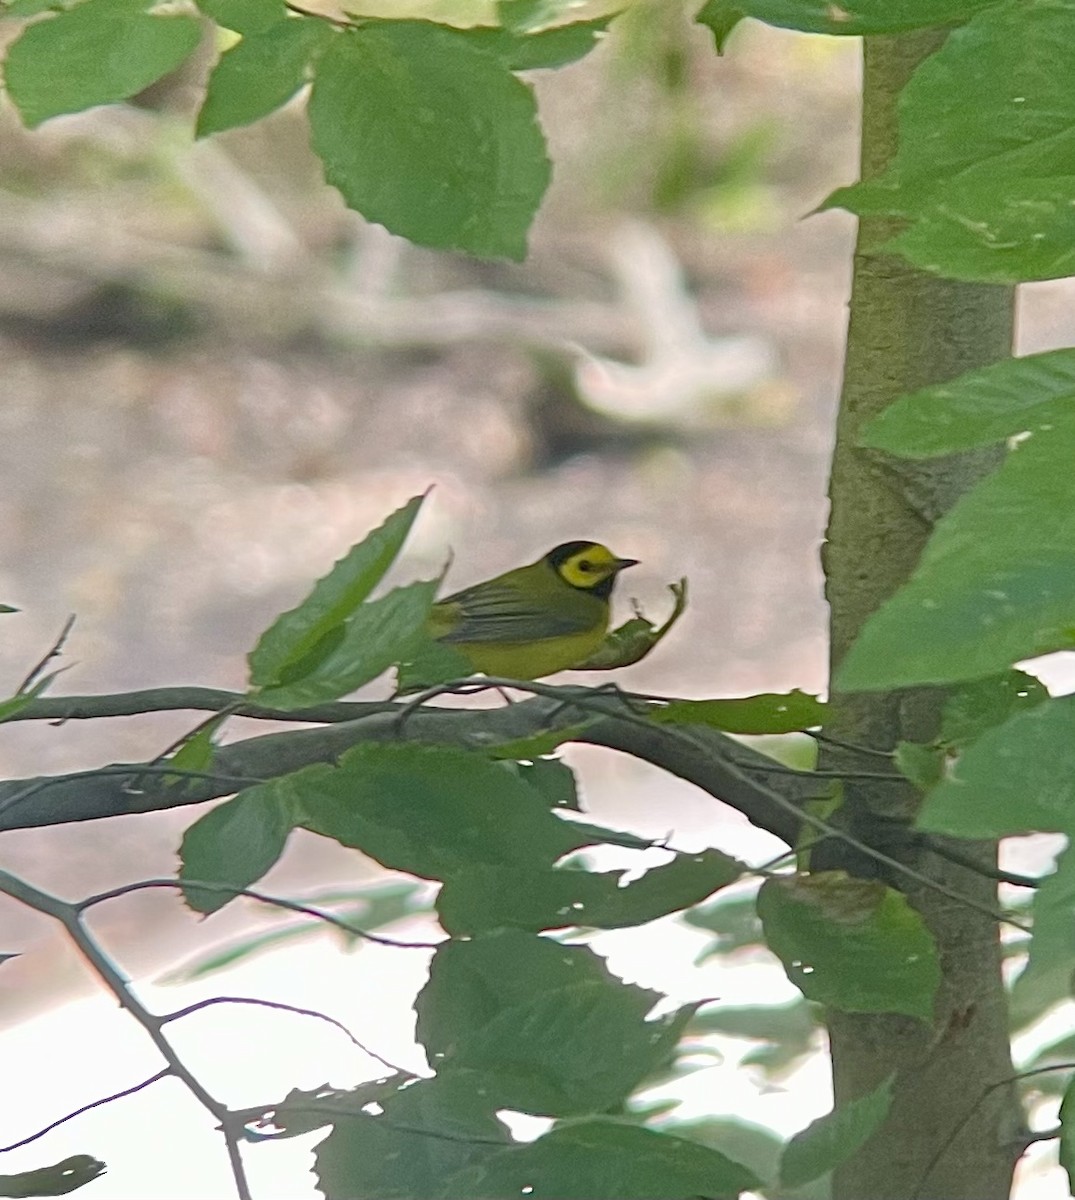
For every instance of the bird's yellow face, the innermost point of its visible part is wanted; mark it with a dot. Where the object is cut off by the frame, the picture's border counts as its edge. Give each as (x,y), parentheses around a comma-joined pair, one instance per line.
(588,566)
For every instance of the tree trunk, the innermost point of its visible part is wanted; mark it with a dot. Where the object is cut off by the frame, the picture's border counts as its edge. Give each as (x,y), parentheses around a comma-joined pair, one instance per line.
(908,329)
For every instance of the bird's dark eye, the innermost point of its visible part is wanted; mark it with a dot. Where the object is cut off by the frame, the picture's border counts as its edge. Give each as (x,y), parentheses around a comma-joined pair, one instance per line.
(585,565)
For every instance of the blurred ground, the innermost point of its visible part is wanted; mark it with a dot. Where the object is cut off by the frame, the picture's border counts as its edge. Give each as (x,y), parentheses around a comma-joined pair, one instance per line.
(215,379)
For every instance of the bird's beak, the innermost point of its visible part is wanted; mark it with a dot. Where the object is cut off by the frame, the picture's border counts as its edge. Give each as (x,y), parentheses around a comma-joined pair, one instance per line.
(622,563)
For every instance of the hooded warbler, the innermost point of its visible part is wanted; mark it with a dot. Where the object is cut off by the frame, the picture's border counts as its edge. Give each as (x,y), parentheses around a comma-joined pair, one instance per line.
(548,616)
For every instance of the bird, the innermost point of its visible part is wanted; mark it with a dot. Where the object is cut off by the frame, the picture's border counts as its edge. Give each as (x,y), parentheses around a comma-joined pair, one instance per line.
(535,620)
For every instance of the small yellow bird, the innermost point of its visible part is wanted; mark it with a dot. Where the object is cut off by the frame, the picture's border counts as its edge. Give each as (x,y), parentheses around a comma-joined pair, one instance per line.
(548,616)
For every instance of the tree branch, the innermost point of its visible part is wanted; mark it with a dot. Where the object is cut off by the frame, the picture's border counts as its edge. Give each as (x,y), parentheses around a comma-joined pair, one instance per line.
(70,918)
(705,757)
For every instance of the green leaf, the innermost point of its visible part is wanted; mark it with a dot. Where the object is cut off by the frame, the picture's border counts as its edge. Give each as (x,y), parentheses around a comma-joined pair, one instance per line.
(7,608)
(488,897)
(970,232)
(260,73)
(551,778)
(995,584)
(601,1159)
(378,635)
(982,704)
(245,16)
(26,8)
(980,408)
(93,54)
(771,713)
(533,51)
(427,1132)
(537,745)
(550,1030)
(428,135)
(1067,1134)
(922,765)
(850,943)
(634,639)
(236,842)
(1049,975)
(57,1180)
(988,182)
(294,634)
(196,753)
(850,17)
(1016,778)
(16,703)
(832,1139)
(431,811)
(720,17)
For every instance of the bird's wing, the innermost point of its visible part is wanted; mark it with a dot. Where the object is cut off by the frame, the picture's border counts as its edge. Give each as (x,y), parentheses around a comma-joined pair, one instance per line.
(491,613)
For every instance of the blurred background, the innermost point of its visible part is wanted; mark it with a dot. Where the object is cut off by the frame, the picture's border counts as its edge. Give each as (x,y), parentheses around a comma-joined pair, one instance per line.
(215,379)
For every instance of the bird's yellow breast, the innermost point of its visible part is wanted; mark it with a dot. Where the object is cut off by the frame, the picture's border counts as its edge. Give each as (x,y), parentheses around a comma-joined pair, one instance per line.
(532,660)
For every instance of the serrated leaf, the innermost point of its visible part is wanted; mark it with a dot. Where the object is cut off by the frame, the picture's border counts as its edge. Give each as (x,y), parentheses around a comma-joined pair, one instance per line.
(996,583)
(848,18)
(851,943)
(57,1180)
(832,1139)
(431,811)
(1015,778)
(236,842)
(985,184)
(720,17)
(982,407)
(334,598)
(429,136)
(485,897)
(601,1158)
(770,713)
(426,1133)
(377,636)
(260,73)
(93,54)
(548,1028)
(245,16)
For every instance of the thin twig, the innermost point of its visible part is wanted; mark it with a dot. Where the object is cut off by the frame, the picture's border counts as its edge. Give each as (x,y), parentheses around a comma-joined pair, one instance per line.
(280,1006)
(250,894)
(54,651)
(802,813)
(69,916)
(162,1074)
(857,747)
(987,872)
